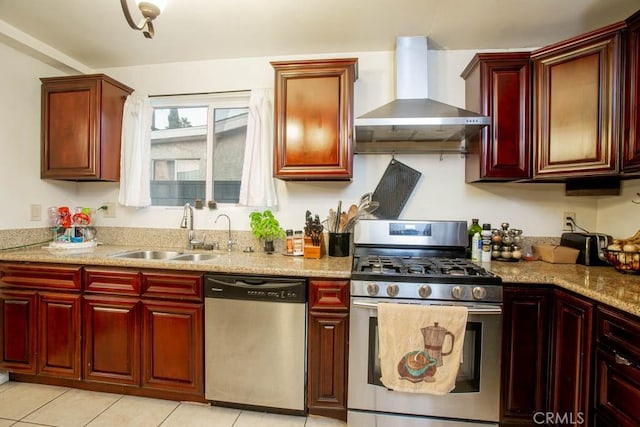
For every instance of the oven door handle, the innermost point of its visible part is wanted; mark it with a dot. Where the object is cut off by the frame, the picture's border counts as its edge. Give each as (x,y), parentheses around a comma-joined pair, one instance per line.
(493,309)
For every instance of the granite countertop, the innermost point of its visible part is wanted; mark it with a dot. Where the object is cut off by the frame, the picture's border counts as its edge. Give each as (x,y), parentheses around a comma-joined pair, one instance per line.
(602,284)
(258,262)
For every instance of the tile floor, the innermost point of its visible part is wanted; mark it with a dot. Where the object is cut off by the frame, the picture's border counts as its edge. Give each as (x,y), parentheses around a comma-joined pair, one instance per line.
(24,404)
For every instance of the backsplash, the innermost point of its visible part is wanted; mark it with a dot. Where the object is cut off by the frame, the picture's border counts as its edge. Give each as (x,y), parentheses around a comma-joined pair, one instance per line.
(175,238)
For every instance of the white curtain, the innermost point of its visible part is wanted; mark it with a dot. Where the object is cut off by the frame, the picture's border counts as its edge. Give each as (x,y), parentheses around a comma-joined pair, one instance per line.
(257,187)
(135,153)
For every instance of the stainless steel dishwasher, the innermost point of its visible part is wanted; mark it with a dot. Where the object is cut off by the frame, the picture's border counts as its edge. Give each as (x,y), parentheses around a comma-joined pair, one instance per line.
(255,342)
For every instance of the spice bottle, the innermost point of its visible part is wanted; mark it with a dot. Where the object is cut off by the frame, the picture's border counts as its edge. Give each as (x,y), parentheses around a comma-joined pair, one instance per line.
(289,234)
(298,243)
(486,243)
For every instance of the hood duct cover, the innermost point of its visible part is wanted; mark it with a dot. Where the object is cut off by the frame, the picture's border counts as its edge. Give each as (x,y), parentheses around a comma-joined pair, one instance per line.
(413,123)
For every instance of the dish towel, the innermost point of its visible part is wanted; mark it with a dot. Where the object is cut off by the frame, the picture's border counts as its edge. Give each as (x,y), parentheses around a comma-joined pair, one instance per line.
(420,346)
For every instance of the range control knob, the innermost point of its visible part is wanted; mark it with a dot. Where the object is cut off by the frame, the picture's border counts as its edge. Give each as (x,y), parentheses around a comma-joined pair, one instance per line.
(424,291)
(457,292)
(479,292)
(392,290)
(373,289)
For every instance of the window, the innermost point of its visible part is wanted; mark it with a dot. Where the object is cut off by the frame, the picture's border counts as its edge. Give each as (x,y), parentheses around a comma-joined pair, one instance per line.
(197,148)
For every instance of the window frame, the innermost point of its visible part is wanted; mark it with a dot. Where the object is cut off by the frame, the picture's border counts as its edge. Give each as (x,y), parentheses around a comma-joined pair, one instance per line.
(213,101)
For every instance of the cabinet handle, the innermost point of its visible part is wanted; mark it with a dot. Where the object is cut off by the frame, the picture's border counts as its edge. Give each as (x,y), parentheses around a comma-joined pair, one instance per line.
(622,360)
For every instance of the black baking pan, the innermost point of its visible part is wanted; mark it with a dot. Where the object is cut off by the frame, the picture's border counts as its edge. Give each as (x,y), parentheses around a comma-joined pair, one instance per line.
(393,190)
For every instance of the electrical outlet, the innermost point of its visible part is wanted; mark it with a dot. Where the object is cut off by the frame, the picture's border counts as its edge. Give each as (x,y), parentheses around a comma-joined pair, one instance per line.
(568,220)
(110,212)
(35,212)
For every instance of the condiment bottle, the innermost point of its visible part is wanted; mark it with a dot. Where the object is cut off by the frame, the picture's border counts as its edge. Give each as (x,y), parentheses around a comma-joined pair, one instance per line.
(298,243)
(289,234)
(475,247)
(486,243)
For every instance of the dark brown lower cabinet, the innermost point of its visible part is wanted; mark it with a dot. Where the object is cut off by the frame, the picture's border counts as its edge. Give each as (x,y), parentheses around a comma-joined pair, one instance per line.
(327,348)
(571,357)
(18,325)
(525,353)
(172,346)
(59,335)
(112,339)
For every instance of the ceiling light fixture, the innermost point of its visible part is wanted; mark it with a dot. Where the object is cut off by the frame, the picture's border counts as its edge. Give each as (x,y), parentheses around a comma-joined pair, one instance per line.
(150,10)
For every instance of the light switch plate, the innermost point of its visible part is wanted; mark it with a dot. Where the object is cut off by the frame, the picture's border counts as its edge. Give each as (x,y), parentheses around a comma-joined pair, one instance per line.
(35,212)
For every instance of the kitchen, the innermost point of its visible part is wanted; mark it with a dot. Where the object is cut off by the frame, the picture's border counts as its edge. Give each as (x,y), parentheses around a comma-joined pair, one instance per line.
(536,208)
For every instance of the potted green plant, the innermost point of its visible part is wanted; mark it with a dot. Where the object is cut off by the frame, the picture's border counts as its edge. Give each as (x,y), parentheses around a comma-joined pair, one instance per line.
(265,226)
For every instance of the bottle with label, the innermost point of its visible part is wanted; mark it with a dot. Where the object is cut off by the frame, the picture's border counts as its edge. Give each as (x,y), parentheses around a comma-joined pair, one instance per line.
(298,243)
(485,256)
(476,244)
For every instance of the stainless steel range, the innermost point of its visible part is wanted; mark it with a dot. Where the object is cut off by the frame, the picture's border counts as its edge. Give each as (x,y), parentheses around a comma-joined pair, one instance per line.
(422,262)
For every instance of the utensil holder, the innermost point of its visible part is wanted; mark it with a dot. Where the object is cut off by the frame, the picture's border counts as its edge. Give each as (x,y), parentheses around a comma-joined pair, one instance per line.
(339,244)
(311,251)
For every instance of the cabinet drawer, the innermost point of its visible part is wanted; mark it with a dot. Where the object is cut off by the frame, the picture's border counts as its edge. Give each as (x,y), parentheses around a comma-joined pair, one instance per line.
(183,286)
(617,391)
(41,276)
(328,294)
(619,331)
(112,281)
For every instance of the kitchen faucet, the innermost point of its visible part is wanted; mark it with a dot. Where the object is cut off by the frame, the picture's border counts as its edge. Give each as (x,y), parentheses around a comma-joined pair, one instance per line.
(230,242)
(187,222)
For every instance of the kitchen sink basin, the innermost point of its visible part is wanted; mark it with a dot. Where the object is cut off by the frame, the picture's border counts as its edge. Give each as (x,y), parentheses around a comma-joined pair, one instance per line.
(148,255)
(194,257)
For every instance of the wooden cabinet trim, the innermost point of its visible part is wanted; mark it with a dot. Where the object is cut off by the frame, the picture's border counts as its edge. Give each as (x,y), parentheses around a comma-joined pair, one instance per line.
(631,131)
(41,276)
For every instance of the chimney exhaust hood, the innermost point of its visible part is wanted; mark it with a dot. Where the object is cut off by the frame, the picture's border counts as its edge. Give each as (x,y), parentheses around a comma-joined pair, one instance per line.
(413,123)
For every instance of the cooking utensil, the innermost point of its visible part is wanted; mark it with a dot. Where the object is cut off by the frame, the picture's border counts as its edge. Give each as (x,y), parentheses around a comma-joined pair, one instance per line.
(394,189)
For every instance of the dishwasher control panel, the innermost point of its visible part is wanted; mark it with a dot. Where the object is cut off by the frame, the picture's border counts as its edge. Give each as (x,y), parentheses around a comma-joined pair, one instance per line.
(256,288)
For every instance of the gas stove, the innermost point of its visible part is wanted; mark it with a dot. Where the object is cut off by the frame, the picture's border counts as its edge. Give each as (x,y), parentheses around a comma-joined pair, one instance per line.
(421,260)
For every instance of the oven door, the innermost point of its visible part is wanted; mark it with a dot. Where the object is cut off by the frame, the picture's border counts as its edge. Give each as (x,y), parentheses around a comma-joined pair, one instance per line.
(475,399)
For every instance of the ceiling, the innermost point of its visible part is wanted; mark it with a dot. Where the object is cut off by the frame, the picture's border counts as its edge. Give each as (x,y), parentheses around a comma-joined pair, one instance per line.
(95,32)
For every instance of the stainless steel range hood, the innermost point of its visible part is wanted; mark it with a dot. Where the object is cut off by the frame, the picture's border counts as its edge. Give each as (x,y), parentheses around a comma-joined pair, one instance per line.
(413,123)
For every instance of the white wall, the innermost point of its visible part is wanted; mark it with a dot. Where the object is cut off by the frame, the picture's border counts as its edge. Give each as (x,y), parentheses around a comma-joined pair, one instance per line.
(440,194)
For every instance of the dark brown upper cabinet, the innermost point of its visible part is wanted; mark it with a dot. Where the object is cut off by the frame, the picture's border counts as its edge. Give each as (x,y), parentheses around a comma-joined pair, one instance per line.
(498,85)
(576,115)
(631,137)
(314,119)
(81,127)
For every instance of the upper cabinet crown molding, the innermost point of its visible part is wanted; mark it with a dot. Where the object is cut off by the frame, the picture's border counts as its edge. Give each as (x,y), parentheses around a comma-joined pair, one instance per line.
(81,127)
(577,90)
(314,119)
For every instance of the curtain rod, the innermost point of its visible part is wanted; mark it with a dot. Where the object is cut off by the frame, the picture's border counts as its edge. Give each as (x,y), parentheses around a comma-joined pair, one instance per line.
(198,93)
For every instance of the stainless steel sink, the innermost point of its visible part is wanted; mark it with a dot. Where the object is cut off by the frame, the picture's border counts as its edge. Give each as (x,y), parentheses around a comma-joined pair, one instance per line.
(148,255)
(194,257)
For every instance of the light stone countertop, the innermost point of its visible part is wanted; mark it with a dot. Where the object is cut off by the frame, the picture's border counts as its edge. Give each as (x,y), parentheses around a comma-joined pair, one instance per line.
(602,284)
(258,262)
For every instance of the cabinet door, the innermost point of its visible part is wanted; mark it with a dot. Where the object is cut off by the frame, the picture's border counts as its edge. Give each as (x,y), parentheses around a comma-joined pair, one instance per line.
(498,85)
(18,319)
(59,335)
(617,389)
(314,119)
(577,105)
(327,367)
(112,339)
(571,356)
(81,127)
(327,348)
(173,346)
(631,138)
(525,353)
